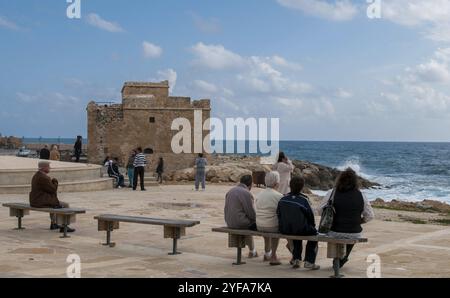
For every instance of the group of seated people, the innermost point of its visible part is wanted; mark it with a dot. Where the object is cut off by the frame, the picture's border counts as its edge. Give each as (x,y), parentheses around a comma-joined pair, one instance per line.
(292,214)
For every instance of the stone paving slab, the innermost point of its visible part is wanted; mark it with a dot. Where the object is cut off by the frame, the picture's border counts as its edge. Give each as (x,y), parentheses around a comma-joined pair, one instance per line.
(405,249)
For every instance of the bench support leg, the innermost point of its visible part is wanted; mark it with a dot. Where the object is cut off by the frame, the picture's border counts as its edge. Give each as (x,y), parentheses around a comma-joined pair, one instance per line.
(19,214)
(239,257)
(19,223)
(108,236)
(336,265)
(65,224)
(174,248)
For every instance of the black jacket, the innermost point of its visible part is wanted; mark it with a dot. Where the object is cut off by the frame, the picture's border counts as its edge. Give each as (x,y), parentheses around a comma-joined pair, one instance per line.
(295,216)
(44,154)
(349,206)
(78,147)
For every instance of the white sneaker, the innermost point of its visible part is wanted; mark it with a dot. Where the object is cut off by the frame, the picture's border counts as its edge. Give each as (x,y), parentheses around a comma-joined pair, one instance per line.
(311,266)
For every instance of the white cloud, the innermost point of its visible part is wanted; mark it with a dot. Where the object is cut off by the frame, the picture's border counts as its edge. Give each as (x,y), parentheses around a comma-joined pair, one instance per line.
(342,93)
(281,62)
(437,70)
(96,21)
(433,71)
(151,50)
(273,80)
(52,98)
(5,23)
(216,57)
(210,25)
(169,75)
(340,10)
(205,86)
(324,108)
(416,12)
(419,91)
(230,104)
(290,102)
(433,16)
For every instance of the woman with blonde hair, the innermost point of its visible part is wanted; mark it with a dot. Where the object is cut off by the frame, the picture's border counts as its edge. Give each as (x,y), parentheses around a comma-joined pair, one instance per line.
(54,154)
(266,215)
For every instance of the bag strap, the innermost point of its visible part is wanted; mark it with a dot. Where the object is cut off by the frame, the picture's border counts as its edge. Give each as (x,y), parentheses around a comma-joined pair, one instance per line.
(331,200)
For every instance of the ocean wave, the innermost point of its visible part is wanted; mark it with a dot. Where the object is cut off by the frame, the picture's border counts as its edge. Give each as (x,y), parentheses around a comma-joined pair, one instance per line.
(354,162)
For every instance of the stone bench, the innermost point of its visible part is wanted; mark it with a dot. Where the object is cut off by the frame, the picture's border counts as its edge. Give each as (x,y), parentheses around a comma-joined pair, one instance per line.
(172,228)
(64,216)
(335,246)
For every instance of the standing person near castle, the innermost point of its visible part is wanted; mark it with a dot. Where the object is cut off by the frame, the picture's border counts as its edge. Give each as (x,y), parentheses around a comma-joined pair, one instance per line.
(160,170)
(139,168)
(130,168)
(78,148)
(54,154)
(44,153)
(200,171)
(285,167)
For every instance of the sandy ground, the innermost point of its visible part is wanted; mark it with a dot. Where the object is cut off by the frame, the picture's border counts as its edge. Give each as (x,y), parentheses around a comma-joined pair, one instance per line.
(405,249)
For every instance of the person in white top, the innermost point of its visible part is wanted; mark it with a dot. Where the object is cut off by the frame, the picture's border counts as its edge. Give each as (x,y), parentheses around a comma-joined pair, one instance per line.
(285,167)
(266,215)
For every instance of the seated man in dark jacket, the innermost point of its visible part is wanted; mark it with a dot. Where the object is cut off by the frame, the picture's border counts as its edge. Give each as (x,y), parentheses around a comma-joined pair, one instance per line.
(296,217)
(113,172)
(44,194)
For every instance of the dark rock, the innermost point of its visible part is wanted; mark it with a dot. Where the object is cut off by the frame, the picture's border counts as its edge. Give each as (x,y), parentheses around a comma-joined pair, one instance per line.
(321,177)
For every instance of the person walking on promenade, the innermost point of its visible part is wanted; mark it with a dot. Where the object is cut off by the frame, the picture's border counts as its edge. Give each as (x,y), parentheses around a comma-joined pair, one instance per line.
(139,169)
(78,148)
(200,172)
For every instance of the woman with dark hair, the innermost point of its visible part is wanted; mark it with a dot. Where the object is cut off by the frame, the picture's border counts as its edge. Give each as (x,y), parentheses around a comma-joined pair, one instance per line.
(352,209)
(285,167)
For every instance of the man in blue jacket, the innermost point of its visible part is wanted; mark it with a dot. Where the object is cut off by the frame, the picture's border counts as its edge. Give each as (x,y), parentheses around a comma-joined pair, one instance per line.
(296,217)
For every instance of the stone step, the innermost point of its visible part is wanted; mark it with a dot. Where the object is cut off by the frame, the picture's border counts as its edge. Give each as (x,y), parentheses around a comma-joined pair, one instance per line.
(22,177)
(146,178)
(77,186)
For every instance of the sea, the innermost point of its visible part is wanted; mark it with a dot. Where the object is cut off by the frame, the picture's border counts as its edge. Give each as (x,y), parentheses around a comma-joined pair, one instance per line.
(406,171)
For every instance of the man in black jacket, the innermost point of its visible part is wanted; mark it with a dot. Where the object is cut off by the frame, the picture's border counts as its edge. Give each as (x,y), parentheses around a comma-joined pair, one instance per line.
(44,153)
(78,148)
(296,217)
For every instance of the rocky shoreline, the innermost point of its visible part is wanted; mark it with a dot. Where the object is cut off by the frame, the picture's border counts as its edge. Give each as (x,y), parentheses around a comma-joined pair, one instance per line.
(229,168)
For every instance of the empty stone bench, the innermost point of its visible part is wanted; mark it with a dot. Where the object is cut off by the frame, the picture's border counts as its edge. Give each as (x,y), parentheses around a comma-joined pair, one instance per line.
(64,216)
(335,246)
(172,228)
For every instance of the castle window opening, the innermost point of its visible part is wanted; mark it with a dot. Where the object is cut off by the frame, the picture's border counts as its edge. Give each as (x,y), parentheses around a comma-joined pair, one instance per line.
(148,151)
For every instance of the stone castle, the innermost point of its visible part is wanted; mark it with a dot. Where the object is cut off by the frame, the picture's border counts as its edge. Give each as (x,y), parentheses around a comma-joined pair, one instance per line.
(143,119)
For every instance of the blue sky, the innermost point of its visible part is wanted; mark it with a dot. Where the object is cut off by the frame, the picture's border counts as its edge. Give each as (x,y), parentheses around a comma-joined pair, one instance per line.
(323,67)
